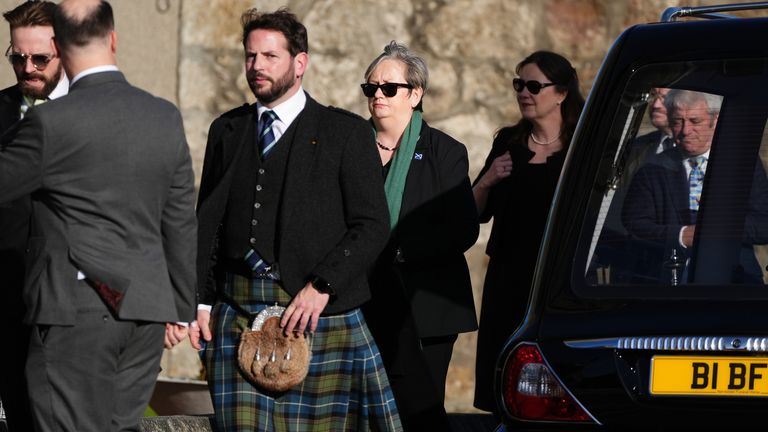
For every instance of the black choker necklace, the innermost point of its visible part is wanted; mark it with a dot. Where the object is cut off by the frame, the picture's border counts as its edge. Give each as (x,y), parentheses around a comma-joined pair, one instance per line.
(383,147)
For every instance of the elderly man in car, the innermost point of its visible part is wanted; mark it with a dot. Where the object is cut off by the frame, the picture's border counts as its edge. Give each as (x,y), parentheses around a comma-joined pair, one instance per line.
(664,198)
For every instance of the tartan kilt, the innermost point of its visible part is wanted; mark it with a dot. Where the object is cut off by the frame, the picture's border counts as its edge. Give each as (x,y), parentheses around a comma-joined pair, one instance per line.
(346,388)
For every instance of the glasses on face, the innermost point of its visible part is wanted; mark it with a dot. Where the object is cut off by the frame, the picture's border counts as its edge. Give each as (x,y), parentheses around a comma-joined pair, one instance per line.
(655,94)
(39,61)
(533,86)
(388,89)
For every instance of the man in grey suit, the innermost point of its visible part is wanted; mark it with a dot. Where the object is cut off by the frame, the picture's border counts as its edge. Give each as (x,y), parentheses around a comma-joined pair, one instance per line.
(113,238)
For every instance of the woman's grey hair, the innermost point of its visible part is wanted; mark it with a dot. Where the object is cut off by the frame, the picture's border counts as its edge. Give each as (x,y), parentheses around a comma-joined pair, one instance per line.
(416,73)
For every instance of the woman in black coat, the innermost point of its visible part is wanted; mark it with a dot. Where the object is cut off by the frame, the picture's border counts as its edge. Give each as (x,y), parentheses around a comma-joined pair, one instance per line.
(515,188)
(422,295)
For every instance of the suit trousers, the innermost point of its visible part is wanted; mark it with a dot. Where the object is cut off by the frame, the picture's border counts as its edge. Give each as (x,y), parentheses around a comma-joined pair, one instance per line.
(95,376)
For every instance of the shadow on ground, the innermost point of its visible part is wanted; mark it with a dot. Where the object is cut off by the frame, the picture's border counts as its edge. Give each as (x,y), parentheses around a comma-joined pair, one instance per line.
(459,423)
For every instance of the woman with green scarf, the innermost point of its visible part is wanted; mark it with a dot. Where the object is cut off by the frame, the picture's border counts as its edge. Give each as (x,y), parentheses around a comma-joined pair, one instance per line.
(421,290)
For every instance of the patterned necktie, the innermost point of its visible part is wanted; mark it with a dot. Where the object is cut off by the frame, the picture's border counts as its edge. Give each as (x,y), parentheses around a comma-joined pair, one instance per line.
(29,103)
(267,135)
(695,181)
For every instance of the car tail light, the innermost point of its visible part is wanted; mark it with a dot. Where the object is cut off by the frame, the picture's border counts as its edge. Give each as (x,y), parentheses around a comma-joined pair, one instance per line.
(532,392)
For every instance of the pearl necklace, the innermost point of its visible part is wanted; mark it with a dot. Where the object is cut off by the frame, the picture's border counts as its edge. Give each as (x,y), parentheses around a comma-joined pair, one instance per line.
(533,137)
(383,147)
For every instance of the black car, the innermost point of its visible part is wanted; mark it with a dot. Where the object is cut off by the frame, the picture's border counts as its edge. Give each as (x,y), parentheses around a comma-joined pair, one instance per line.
(650,311)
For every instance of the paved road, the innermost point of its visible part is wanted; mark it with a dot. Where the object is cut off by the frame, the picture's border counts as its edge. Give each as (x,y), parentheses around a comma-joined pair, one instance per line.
(472,422)
(459,423)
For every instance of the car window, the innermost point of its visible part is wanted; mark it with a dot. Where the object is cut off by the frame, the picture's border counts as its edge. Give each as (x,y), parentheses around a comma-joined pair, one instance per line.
(686,202)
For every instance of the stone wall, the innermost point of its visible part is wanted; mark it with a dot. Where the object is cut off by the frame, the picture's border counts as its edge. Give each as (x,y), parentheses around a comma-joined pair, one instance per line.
(190,53)
(147,47)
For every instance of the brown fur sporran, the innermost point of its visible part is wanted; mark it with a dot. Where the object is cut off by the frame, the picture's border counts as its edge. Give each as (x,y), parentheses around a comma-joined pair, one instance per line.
(272,360)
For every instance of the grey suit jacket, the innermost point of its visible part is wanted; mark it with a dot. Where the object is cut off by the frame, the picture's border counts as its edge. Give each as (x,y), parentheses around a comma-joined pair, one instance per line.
(113,196)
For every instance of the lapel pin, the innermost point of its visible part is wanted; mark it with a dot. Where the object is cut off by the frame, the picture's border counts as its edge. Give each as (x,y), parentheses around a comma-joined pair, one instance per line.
(418,156)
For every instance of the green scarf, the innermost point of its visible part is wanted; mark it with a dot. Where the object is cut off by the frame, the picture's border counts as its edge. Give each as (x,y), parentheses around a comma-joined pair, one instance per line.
(401,162)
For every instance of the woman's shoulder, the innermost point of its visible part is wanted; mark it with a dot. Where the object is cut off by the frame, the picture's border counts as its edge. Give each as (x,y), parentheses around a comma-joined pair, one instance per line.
(439,139)
(510,133)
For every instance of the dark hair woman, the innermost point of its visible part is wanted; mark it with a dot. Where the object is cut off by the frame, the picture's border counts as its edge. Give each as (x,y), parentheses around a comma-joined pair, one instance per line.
(515,188)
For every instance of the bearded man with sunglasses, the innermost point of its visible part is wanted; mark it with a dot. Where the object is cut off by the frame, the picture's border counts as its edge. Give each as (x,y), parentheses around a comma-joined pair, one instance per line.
(291,211)
(39,77)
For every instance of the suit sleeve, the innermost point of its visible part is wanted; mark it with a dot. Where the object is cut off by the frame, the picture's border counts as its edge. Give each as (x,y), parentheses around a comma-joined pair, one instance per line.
(179,227)
(643,213)
(365,211)
(756,226)
(448,223)
(22,158)
(500,145)
(207,239)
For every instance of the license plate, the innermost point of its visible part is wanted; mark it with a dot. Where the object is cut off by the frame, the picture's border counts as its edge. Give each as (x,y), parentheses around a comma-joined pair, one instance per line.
(709,376)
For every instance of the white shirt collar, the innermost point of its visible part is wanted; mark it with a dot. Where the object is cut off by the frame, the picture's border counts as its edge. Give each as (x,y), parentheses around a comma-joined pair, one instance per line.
(62,88)
(93,70)
(705,154)
(288,110)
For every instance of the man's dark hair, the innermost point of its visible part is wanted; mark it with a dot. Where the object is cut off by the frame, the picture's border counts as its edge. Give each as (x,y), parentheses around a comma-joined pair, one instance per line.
(282,21)
(31,13)
(82,30)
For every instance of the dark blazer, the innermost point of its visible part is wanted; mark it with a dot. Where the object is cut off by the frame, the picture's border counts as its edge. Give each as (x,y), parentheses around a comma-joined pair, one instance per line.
(14,218)
(656,208)
(514,139)
(640,149)
(438,223)
(115,202)
(333,218)
(14,230)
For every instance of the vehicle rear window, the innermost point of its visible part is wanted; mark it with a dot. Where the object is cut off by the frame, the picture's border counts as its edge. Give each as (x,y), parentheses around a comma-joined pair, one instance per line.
(683,200)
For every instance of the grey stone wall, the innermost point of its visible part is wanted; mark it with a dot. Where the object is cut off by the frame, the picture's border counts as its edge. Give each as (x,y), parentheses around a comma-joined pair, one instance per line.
(189,52)
(147,46)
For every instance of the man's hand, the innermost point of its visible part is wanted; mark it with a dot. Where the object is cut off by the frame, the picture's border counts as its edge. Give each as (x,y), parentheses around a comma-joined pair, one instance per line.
(174,333)
(200,328)
(304,309)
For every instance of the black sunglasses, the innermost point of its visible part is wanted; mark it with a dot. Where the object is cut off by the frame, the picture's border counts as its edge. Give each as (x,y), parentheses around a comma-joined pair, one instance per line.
(39,61)
(388,89)
(533,86)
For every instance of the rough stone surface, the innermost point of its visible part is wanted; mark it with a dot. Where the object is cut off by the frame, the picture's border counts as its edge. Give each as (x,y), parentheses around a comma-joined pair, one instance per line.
(175,424)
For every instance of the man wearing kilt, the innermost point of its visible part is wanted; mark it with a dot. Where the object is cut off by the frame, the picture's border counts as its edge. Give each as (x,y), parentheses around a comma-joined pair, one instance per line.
(291,212)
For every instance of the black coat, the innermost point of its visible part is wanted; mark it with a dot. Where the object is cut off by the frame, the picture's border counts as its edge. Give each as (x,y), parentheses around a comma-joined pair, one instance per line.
(14,221)
(333,218)
(438,223)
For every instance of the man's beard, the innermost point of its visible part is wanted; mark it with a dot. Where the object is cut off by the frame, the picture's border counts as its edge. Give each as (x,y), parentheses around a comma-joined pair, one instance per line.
(278,88)
(48,86)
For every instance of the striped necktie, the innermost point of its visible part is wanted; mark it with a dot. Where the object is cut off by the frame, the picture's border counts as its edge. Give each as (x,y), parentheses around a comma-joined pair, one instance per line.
(695,181)
(266,134)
